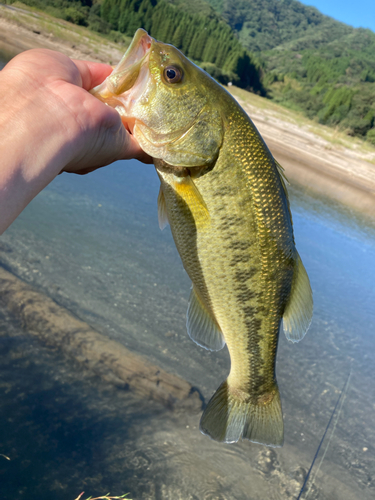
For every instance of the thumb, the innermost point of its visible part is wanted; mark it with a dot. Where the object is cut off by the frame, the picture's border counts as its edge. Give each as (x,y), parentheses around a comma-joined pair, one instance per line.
(133,150)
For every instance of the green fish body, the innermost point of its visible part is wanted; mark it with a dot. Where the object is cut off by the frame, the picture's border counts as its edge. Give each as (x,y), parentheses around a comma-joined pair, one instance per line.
(225,198)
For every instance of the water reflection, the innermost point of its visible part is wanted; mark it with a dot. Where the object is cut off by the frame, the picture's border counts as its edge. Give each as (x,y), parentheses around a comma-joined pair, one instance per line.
(93,244)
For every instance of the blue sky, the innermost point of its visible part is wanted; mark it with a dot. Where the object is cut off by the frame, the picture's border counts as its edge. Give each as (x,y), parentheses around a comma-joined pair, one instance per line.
(359,13)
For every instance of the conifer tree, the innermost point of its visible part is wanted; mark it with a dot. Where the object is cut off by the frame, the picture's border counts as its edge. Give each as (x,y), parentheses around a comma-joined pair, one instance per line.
(123,21)
(105,9)
(158,18)
(134,23)
(165,28)
(201,42)
(114,15)
(179,33)
(206,40)
(210,49)
(147,18)
(189,34)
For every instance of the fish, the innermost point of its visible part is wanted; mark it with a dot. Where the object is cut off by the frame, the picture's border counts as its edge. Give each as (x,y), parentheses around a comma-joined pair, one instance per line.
(225,198)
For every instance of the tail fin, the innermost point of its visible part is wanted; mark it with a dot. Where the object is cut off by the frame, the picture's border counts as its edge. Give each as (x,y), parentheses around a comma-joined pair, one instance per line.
(228,419)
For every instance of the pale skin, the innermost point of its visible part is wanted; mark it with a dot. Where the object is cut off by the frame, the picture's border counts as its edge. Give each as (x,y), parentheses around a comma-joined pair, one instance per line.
(50,123)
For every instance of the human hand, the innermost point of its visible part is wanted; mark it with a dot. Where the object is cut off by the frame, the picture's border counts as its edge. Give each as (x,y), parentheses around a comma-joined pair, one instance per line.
(49,123)
(94,131)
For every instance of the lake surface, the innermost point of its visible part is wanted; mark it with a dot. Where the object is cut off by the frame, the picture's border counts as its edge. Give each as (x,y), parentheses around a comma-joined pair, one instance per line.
(93,244)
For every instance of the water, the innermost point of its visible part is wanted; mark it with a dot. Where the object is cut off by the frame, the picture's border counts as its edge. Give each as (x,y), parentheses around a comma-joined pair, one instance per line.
(93,244)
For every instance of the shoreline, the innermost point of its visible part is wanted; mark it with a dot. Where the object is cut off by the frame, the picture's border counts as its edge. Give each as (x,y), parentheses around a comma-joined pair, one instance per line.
(344,174)
(56,327)
(22,30)
(315,164)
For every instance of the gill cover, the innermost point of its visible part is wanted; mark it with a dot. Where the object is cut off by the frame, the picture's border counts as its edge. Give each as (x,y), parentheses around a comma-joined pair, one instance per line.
(197,145)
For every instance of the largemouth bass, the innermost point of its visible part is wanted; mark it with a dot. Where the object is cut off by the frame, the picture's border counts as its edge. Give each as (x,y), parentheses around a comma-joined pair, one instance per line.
(225,198)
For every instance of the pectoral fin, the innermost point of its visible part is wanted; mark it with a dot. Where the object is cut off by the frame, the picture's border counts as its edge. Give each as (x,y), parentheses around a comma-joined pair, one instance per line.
(201,326)
(162,210)
(299,310)
(187,190)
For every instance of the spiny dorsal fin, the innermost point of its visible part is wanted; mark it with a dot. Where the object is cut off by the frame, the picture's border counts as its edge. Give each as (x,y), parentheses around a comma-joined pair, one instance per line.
(299,310)
(162,210)
(201,326)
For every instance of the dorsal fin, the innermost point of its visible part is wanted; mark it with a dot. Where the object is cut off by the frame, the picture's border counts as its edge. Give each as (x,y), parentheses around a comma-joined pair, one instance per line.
(299,310)
(202,326)
(284,181)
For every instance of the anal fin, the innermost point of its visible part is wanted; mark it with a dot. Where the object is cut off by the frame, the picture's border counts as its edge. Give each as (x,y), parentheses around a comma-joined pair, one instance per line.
(201,326)
(299,310)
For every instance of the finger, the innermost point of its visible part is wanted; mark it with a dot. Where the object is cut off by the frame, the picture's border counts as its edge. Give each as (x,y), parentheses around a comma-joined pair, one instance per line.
(92,73)
(84,171)
(133,150)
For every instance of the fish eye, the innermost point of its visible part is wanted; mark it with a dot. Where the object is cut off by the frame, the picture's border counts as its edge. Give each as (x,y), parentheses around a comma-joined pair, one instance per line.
(172,74)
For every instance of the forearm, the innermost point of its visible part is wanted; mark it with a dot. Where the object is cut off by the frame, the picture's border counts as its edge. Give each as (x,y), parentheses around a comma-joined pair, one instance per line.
(49,122)
(34,148)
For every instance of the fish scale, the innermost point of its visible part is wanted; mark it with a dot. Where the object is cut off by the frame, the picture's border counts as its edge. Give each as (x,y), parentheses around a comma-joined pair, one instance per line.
(226,201)
(250,327)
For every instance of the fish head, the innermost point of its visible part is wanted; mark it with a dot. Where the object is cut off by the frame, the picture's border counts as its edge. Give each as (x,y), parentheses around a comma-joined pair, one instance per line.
(167,102)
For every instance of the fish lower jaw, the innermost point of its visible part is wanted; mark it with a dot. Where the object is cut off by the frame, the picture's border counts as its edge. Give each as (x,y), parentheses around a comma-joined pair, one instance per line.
(129,123)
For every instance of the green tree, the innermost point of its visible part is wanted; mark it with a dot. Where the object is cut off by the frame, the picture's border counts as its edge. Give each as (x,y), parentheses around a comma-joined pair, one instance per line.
(114,15)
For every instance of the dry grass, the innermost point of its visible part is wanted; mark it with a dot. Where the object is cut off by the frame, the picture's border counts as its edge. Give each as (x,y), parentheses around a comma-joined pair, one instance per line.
(104,497)
(56,29)
(68,33)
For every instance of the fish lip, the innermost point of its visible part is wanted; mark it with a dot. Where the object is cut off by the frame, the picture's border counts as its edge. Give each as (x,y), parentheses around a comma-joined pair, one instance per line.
(137,50)
(125,73)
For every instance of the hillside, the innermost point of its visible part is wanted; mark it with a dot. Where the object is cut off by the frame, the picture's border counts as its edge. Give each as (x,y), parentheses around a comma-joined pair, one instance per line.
(320,158)
(266,24)
(281,49)
(200,33)
(314,64)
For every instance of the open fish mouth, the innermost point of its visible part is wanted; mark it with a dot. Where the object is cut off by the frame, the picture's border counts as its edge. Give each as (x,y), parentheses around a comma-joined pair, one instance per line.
(128,80)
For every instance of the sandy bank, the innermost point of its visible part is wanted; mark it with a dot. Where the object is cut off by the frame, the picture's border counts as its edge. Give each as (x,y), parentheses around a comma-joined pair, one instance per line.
(22,30)
(343,173)
(333,170)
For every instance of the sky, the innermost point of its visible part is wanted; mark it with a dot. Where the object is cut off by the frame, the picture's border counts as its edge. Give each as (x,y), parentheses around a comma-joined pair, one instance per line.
(359,13)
